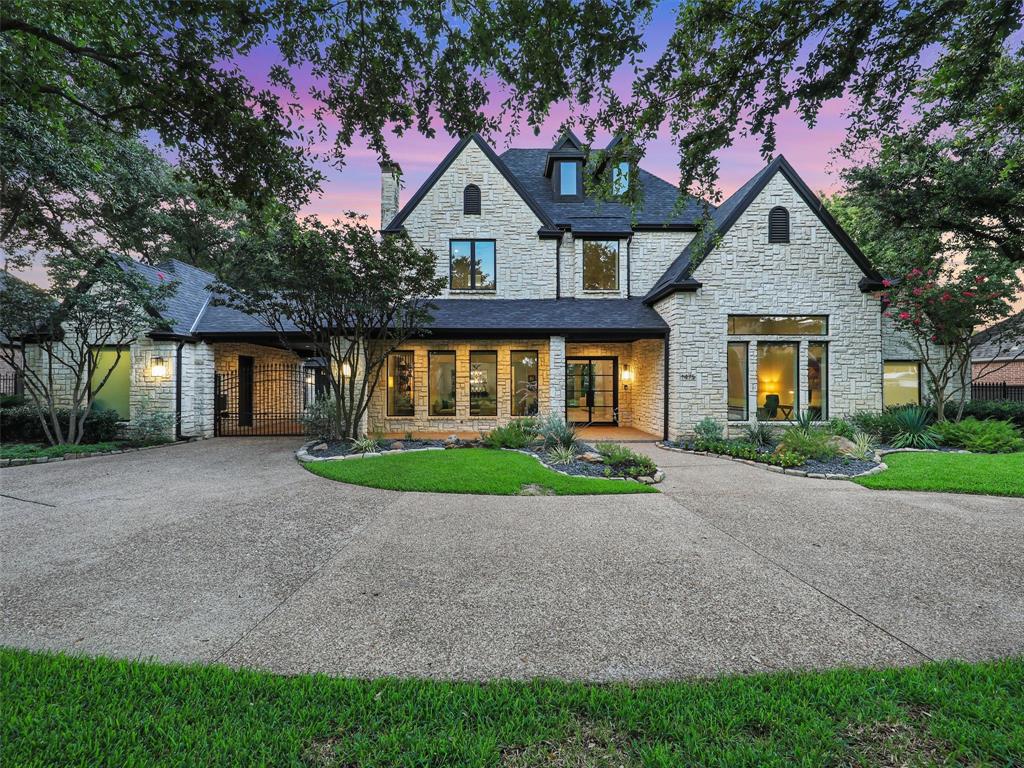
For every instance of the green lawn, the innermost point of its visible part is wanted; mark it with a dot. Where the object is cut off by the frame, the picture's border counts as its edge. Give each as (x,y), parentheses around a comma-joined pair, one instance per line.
(465,470)
(72,711)
(32,450)
(998,474)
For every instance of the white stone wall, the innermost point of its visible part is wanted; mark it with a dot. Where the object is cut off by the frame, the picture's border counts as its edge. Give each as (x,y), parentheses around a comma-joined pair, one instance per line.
(422,421)
(150,394)
(744,274)
(197,403)
(899,345)
(650,255)
(524,263)
(556,375)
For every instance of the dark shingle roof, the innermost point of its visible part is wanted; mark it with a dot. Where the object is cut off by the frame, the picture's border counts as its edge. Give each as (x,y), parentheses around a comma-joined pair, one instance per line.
(1002,341)
(659,197)
(553,316)
(186,304)
(219,318)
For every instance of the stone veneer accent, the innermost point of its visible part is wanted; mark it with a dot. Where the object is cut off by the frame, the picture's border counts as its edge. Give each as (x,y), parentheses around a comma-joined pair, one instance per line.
(379,421)
(744,274)
(650,254)
(524,263)
(640,400)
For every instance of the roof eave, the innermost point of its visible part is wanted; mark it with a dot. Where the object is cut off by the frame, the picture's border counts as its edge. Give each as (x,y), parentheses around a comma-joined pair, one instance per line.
(684,286)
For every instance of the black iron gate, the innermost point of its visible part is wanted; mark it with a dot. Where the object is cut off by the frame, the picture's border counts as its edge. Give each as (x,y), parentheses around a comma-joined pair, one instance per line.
(267,399)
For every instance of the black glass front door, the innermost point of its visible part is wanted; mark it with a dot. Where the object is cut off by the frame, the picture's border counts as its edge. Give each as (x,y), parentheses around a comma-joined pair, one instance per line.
(591,390)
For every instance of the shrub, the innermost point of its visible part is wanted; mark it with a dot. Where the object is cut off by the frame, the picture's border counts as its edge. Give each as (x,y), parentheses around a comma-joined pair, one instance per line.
(842,428)
(553,430)
(364,445)
(626,461)
(11,401)
(318,420)
(149,427)
(864,445)
(760,434)
(516,434)
(21,425)
(708,429)
(812,443)
(560,454)
(981,436)
(805,421)
(786,458)
(1001,410)
(882,425)
(914,428)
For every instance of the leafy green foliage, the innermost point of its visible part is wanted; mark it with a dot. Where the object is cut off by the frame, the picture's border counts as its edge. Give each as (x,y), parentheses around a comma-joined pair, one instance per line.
(914,428)
(465,470)
(841,427)
(707,429)
(320,420)
(553,430)
(560,454)
(743,449)
(25,424)
(518,433)
(353,296)
(365,444)
(1004,410)
(149,426)
(813,443)
(625,461)
(760,434)
(980,436)
(883,426)
(864,445)
(32,451)
(1000,475)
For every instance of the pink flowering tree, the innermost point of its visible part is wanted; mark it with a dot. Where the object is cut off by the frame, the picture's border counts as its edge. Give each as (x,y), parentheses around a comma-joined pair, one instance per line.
(940,305)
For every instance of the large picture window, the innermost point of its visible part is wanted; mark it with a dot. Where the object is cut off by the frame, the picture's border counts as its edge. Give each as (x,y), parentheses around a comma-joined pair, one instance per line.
(737,376)
(441,379)
(525,368)
(471,265)
(777,380)
(483,383)
(600,265)
(115,393)
(817,380)
(901,384)
(778,325)
(401,389)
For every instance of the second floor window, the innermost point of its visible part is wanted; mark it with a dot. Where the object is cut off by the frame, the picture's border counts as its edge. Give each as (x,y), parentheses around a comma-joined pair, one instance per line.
(568,178)
(620,178)
(472,265)
(600,265)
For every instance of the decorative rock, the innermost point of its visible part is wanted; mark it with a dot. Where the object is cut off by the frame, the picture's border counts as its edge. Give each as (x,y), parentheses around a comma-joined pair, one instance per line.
(452,440)
(319,447)
(659,476)
(591,457)
(773,468)
(843,445)
(646,480)
(398,445)
(818,475)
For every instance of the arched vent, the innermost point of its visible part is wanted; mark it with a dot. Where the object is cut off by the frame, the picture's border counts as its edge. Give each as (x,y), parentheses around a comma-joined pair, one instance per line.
(471,200)
(778,225)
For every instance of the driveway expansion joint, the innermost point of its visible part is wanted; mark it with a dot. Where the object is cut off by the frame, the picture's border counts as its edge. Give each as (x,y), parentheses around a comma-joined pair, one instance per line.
(782,567)
(28,501)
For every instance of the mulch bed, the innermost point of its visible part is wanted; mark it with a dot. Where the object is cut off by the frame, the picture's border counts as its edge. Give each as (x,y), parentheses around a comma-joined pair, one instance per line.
(344,447)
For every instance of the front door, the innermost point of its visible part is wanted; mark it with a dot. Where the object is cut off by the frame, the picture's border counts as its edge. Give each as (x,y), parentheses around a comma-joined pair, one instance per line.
(592,390)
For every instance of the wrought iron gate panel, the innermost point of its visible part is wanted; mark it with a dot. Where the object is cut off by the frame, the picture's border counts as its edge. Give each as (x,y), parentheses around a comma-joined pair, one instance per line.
(267,399)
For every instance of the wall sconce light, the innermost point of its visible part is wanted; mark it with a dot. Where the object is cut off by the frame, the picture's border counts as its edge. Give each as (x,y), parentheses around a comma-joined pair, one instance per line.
(346,370)
(627,374)
(159,369)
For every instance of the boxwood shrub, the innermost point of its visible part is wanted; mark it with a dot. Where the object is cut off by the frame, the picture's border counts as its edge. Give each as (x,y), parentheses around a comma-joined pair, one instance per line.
(21,425)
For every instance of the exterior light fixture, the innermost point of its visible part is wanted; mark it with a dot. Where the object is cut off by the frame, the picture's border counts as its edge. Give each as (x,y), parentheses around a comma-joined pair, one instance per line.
(159,369)
(627,374)
(346,370)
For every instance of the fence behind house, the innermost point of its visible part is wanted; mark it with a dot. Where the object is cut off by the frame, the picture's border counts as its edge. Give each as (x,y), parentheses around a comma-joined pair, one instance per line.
(997,390)
(11,384)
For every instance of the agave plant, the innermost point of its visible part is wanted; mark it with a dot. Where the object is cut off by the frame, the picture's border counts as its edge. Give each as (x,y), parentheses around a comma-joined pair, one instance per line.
(914,428)
(760,434)
(364,445)
(561,454)
(863,445)
(804,421)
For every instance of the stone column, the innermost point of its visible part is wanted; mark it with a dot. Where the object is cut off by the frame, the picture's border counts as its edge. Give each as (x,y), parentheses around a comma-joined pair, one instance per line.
(556,375)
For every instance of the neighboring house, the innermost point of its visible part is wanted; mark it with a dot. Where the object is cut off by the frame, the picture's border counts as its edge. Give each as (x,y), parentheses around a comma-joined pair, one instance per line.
(560,303)
(997,353)
(10,380)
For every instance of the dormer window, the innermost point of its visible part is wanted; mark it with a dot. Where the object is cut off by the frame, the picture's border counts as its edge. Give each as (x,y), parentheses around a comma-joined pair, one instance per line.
(569,181)
(620,178)
(471,200)
(778,225)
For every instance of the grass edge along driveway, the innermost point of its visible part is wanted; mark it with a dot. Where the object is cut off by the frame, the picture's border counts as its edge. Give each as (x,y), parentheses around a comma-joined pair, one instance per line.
(71,711)
(465,470)
(999,474)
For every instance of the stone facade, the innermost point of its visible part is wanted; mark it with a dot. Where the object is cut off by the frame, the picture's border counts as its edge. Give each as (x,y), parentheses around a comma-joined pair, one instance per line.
(524,263)
(640,397)
(744,274)
(650,254)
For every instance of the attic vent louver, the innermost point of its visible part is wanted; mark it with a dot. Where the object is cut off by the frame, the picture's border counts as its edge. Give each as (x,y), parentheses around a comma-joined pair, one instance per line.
(471,200)
(778,225)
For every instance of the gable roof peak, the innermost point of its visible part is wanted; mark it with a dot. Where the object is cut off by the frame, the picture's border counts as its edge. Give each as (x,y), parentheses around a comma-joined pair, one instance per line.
(568,140)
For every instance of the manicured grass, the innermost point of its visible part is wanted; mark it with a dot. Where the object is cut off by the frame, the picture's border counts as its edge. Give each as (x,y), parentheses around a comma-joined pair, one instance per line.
(73,711)
(998,474)
(465,470)
(33,451)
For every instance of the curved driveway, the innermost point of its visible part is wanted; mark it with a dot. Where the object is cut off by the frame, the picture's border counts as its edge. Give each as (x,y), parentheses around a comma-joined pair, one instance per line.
(228,551)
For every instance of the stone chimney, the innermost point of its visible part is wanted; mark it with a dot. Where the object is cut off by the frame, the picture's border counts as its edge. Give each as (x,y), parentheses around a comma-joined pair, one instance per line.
(390,183)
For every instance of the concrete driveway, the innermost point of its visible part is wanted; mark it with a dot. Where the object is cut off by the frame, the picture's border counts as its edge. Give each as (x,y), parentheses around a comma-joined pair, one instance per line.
(228,551)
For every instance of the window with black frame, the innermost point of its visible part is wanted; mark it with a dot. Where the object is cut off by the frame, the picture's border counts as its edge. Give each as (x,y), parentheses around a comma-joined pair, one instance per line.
(472,265)
(483,383)
(401,384)
(525,369)
(441,382)
(600,265)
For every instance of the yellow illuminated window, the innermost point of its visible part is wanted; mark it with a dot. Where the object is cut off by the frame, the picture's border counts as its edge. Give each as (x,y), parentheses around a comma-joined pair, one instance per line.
(901,384)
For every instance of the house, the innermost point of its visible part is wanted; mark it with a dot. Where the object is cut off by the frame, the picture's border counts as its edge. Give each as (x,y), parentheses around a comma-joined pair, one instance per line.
(650,318)
(997,354)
